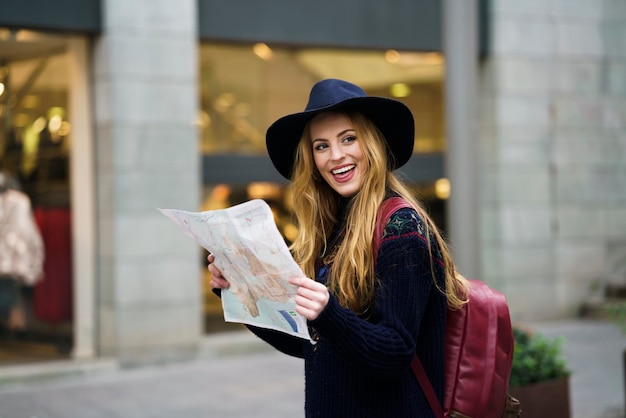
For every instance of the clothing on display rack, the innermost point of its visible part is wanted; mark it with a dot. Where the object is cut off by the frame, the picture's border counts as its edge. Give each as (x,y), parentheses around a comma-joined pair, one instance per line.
(21,246)
(21,252)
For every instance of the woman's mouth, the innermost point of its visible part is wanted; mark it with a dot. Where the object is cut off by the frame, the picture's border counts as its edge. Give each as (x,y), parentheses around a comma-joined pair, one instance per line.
(343,170)
(344,174)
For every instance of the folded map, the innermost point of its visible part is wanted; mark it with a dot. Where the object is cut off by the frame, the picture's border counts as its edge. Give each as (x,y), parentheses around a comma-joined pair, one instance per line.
(254,258)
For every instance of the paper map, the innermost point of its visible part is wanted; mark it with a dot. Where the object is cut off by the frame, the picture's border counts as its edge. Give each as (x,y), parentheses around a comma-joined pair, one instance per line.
(254,258)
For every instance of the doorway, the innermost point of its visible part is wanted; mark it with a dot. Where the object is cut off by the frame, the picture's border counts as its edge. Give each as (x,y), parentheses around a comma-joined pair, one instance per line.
(37,148)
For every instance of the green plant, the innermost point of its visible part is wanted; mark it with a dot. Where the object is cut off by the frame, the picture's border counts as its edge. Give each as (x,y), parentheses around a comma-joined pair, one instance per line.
(536,359)
(616,312)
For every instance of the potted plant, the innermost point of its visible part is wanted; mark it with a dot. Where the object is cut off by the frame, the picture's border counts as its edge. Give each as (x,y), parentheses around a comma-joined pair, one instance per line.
(539,375)
(616,311)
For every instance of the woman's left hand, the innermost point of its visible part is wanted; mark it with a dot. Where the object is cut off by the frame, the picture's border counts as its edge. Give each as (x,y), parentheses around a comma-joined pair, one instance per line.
(217,280)
(312,297)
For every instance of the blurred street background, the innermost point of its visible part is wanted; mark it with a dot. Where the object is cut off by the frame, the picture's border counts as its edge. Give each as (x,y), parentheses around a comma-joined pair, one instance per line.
(111,109)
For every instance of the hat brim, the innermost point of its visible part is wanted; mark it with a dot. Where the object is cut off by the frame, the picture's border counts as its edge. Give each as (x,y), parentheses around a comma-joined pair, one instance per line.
(392,117)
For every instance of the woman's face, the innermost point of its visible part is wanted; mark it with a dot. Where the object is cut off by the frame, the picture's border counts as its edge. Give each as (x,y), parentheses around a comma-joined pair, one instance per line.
(337,153)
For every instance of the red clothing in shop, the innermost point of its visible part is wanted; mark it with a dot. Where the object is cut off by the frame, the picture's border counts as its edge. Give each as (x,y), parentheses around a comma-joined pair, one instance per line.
(52,296)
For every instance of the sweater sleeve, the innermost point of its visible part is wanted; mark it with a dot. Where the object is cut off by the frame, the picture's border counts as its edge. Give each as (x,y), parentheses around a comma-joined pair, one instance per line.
(384,343)
(285,343)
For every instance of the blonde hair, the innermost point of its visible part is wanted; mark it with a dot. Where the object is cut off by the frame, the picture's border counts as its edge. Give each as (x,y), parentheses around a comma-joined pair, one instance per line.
(352,277)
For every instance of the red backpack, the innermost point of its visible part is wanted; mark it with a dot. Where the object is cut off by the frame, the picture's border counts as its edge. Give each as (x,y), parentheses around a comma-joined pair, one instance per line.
(478,349)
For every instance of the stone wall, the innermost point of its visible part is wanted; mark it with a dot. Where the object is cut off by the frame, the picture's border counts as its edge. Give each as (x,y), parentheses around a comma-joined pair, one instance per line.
(553,142)
(145,82)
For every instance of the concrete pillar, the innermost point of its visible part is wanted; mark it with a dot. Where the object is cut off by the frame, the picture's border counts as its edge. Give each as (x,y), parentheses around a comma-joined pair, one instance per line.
(460,48)
(82,198)
(145,75)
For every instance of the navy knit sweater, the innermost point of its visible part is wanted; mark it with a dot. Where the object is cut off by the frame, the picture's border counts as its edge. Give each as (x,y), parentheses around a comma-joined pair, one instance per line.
(360,366)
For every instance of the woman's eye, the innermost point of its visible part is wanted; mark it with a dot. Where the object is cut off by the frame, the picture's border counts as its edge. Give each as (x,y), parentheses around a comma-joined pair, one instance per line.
(350,138)
(320,147)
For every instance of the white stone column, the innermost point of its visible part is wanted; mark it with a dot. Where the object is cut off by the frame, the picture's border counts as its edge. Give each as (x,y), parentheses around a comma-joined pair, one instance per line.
(147,157)
(82,161)
(461,53)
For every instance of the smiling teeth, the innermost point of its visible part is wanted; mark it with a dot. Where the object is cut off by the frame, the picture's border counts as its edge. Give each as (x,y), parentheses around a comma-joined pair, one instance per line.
(343,169)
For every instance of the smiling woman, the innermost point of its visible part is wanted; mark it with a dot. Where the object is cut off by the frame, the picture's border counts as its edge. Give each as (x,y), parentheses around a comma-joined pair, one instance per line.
(369,311)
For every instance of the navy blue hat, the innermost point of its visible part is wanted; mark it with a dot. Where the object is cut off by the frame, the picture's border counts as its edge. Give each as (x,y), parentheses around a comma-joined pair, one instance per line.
(392,117)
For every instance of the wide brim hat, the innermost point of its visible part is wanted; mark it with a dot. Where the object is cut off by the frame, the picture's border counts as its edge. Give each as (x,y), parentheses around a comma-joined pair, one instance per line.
(392,117)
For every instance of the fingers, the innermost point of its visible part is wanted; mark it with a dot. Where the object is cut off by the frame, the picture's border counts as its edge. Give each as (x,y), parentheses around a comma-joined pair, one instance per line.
(217,280)
(306,283)
(312,297)
(219,283)
(215,272)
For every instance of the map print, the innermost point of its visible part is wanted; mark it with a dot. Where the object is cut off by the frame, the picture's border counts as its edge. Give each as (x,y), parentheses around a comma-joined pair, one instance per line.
(253,256)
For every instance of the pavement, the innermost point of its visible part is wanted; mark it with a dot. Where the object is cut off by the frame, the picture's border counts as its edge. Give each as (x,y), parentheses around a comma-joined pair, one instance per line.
(236,375)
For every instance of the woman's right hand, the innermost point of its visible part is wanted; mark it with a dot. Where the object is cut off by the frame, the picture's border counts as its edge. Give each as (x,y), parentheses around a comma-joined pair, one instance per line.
(217,280)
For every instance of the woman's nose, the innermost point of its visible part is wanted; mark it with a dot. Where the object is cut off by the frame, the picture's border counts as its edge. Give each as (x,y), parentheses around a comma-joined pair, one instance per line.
(336,152)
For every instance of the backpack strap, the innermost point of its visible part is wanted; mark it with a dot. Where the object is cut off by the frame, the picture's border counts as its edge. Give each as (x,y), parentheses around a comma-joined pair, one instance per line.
(388,208)
(427,387)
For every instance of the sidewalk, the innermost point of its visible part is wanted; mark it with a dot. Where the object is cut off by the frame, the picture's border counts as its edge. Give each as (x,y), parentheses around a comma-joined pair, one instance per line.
(238,376)
(593,350)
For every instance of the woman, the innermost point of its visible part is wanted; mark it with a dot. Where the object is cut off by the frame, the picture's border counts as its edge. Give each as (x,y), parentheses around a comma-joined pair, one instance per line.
(368,313)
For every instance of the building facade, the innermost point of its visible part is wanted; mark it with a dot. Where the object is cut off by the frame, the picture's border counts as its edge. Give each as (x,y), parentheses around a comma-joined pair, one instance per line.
(553,143)
(112,109)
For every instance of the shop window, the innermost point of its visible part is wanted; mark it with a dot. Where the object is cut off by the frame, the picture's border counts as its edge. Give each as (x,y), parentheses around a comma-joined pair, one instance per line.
(34,161)
(244,88)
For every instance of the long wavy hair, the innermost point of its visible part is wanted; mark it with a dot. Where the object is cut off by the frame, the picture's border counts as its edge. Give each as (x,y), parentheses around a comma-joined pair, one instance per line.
(316,206)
